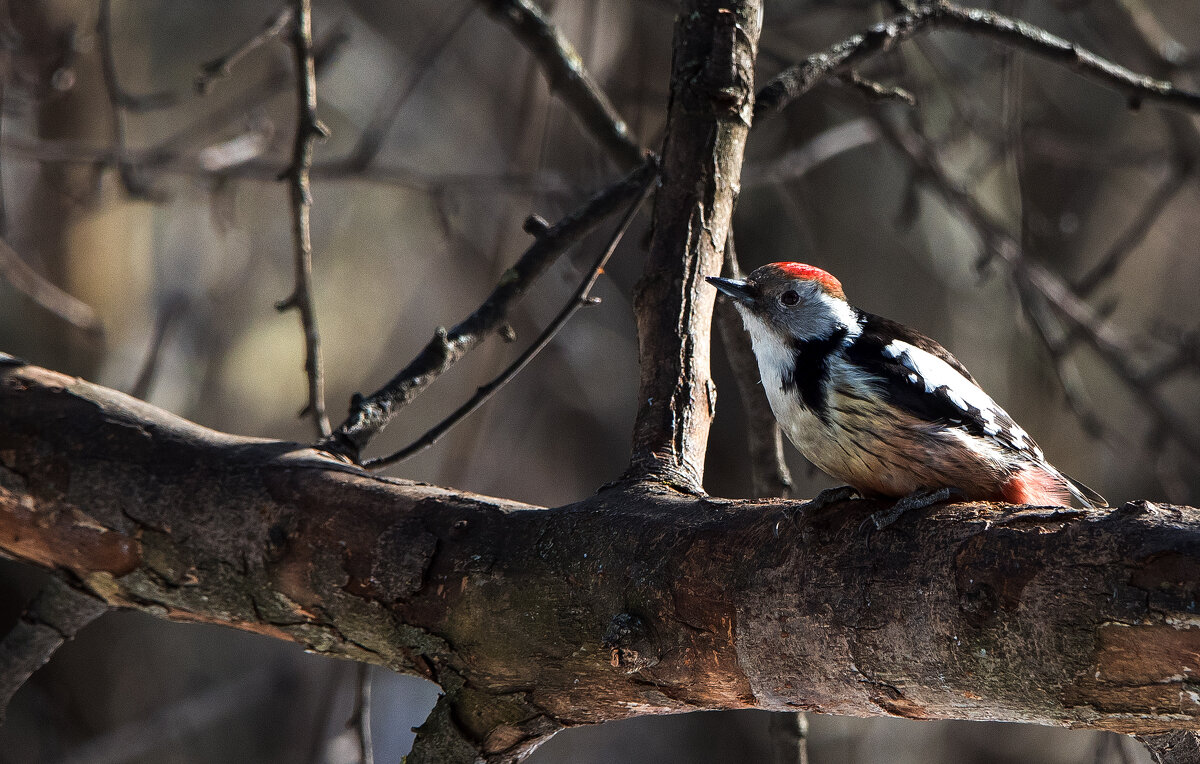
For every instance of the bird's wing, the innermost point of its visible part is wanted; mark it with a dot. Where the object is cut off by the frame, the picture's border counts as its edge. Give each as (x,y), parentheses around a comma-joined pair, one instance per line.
(921,377)
(879,327)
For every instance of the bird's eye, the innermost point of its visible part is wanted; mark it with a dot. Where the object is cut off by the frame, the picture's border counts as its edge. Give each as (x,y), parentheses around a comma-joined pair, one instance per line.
(789,298)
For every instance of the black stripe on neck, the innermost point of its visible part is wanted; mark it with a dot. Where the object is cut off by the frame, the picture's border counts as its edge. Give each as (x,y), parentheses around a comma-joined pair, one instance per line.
(810,370)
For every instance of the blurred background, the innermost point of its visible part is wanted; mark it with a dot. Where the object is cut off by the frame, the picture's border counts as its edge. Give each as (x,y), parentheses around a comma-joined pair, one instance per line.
(156,211)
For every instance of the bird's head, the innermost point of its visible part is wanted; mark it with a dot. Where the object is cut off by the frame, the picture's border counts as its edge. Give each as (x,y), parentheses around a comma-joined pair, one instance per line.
(794,301)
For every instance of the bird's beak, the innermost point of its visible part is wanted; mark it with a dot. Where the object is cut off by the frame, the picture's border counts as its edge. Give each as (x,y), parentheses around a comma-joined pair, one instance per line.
(739,291)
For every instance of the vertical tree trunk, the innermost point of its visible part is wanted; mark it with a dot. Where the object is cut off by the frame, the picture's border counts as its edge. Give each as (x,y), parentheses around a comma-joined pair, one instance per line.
(712,102)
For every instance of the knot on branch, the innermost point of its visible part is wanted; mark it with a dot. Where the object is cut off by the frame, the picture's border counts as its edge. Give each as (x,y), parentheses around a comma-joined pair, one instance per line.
(629,643)
(536,226)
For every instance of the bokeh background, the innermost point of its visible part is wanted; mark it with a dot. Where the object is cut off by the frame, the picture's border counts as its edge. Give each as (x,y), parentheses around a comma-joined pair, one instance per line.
(158,208)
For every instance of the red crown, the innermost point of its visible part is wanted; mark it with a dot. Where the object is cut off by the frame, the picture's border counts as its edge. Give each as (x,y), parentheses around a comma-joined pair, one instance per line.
(812,273)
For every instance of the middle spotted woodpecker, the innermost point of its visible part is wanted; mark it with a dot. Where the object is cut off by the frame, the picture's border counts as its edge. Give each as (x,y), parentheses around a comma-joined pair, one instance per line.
(881,406)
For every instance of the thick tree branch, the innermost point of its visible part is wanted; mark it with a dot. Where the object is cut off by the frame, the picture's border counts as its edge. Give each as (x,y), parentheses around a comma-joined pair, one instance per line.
(635,601)
(712,100)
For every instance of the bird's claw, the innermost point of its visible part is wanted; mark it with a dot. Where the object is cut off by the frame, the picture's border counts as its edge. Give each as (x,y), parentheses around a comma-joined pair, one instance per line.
(823,499)
(832,496)
(877,521)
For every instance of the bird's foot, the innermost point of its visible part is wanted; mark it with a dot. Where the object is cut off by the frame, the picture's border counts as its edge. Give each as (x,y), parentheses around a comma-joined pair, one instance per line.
(823,499)
(915,500)
(832,496)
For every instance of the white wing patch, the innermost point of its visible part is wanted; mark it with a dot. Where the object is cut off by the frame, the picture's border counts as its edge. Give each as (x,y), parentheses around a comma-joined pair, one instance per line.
(935,375)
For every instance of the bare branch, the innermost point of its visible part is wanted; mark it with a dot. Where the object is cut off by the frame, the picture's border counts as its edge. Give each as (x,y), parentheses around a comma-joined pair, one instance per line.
(219,67)
(769,474)
(171,309)
(130,179)
(877,90)
(360,717)
(579,299)
(369,415)
(1036,283)
(1129,240)
(1051,616)
(36,287)
(800,78)
(568,78)
(122,100)
(519,184)
(789,737)
(373,135)
(708,121)
(308,130)
(795,163)
(54,616)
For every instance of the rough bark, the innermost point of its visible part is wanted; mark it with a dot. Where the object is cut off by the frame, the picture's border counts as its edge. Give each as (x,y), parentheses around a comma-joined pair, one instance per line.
(712,101)
(1179,747)
(639,600)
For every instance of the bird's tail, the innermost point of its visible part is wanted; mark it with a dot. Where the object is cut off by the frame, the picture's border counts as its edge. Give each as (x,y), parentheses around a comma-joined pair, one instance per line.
(1084,495)
(1045,486)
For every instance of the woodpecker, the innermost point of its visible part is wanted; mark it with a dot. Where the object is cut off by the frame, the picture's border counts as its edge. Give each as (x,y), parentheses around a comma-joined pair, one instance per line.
(881,406)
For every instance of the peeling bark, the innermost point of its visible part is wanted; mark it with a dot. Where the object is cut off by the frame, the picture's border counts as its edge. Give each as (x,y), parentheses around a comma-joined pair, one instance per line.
(638,600)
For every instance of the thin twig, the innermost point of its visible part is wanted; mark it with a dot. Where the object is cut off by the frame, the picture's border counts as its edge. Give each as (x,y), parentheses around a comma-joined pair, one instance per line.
(370,141)
(567,76)
(1038,283)
(360,717)
(1134,235)
(36,287)
(171,309)
(308,130)
(327,697)
(1058,347)
(794,163)
(800,78)
(278,79)
(520,184)
(579,299)
(120,97)
(788,733)
(3,196)
(120,120)
(219,67)
(877,90)
(369,415)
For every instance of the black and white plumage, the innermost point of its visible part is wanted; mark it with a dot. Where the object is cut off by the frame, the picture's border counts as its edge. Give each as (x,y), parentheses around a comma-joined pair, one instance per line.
(879,405)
